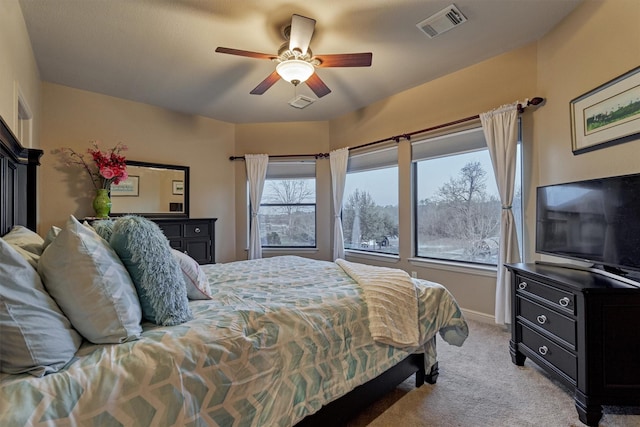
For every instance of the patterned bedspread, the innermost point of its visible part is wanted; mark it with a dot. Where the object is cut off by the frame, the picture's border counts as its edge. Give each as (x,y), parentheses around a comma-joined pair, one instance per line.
(280,338)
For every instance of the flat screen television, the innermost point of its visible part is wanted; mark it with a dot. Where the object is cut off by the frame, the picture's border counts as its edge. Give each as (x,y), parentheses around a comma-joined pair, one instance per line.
(597,221)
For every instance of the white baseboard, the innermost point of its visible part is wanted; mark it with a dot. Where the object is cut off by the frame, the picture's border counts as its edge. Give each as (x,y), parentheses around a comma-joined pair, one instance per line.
(478,316)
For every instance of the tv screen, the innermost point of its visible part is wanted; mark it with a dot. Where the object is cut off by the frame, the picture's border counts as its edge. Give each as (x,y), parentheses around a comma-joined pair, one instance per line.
(597,221)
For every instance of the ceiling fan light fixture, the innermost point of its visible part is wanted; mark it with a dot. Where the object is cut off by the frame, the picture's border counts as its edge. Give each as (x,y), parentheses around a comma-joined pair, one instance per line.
(295,71)
(295,61)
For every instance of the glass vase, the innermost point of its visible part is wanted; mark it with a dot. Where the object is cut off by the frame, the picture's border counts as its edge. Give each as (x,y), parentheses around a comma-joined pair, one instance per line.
(102,203)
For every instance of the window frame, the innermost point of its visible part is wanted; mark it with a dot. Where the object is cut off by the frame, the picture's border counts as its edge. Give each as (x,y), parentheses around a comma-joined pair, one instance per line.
(279,173)
(315,226)
(373,160)
(414,196)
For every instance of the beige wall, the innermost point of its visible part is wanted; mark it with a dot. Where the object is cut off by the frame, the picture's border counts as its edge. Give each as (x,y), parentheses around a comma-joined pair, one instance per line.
(475,89)
(18,69)
(72,118)
(287,139)
(598,41)
(479,88)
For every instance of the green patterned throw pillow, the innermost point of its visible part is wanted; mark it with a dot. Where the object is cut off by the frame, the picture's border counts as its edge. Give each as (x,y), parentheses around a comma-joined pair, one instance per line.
(146,253)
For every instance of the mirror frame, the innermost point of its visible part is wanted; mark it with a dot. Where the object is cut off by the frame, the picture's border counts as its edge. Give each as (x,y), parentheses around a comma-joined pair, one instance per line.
(185,213)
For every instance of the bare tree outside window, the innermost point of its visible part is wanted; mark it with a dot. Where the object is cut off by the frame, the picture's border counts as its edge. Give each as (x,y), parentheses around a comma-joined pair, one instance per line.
(459,219)
(468,214)
(288,213)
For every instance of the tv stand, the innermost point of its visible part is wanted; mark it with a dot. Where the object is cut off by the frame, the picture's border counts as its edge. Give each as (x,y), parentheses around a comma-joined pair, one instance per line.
(614,270)
(579,326)
(604,271)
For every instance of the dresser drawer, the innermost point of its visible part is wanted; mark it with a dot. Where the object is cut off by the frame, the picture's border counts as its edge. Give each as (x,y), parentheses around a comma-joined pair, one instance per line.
(195,237)
(547,350)
(554,296)
(552,322)
(196,229)
(198,250)
(171,230)
(176,244)
(591,345)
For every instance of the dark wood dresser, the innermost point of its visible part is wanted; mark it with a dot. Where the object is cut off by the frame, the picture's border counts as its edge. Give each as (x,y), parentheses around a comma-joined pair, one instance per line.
(583,329)
(193,236)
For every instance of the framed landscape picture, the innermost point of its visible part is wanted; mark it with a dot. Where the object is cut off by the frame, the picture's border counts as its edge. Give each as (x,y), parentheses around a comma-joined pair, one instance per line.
(129,187)
(178,187)
(607,115)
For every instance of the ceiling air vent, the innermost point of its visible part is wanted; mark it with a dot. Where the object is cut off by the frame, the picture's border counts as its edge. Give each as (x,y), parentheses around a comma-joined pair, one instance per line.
(442,21)
(301,101)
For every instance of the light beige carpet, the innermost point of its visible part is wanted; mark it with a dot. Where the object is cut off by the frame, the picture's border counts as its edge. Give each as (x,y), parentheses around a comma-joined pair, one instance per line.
(479,386)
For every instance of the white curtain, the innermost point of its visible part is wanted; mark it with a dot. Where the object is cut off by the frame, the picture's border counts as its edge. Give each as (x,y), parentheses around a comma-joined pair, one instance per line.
(256,174)
(500,128)
(338,159)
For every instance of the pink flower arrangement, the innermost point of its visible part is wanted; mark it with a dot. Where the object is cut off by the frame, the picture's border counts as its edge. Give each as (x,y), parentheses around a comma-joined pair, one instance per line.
(109,167)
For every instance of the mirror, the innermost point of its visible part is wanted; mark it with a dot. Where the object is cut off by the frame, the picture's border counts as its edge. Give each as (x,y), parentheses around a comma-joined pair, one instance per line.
(152,189)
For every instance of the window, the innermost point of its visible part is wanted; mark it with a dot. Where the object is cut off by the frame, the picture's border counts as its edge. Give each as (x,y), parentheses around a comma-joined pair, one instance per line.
(370,203)
(456,200)
(288,206)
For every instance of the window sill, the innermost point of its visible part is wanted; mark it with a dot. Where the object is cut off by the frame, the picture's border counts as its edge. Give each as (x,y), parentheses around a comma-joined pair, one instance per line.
(458,267)
(288,250)
(372,256)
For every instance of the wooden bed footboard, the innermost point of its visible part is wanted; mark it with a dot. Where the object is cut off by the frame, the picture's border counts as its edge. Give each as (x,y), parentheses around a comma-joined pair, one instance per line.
(338,412)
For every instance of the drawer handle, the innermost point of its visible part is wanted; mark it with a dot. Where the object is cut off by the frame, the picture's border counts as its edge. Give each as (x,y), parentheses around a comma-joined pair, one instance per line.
(564,301)
(542,319)
(197,230)
(522,285)
(543,350)
(186,252)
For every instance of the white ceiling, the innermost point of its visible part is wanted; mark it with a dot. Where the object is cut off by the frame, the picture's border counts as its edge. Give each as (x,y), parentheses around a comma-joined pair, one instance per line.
(161,52)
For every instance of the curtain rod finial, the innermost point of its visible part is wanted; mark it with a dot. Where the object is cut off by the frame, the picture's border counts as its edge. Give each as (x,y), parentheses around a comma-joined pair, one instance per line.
(533,101)
(536,101)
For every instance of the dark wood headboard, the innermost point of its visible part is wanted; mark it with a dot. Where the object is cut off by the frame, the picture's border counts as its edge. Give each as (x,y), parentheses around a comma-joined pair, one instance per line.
(18,179)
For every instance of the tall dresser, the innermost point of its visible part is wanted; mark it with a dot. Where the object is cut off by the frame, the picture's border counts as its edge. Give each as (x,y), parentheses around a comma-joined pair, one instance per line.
(583,329)
(193,236)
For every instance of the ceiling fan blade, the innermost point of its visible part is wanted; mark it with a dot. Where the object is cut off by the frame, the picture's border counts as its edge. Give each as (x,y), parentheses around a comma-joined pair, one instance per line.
(346,60)
(246,53)
(318,87)
(266,84)
(301,32)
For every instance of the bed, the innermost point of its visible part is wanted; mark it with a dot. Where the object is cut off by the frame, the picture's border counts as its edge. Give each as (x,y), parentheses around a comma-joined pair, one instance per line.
(282,341)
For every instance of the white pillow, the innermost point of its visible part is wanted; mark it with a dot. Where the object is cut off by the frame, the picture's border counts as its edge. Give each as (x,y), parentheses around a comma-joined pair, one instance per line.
(92,287)
(194,278)
(26,239)
(51,236)
(36,337)
(28,243)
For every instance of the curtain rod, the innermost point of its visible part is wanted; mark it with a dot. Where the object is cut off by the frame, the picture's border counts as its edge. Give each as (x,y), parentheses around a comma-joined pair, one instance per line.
(533,101)
(317,156)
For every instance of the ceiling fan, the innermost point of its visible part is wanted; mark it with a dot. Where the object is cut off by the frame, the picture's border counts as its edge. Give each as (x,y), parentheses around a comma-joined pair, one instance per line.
(296,62)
